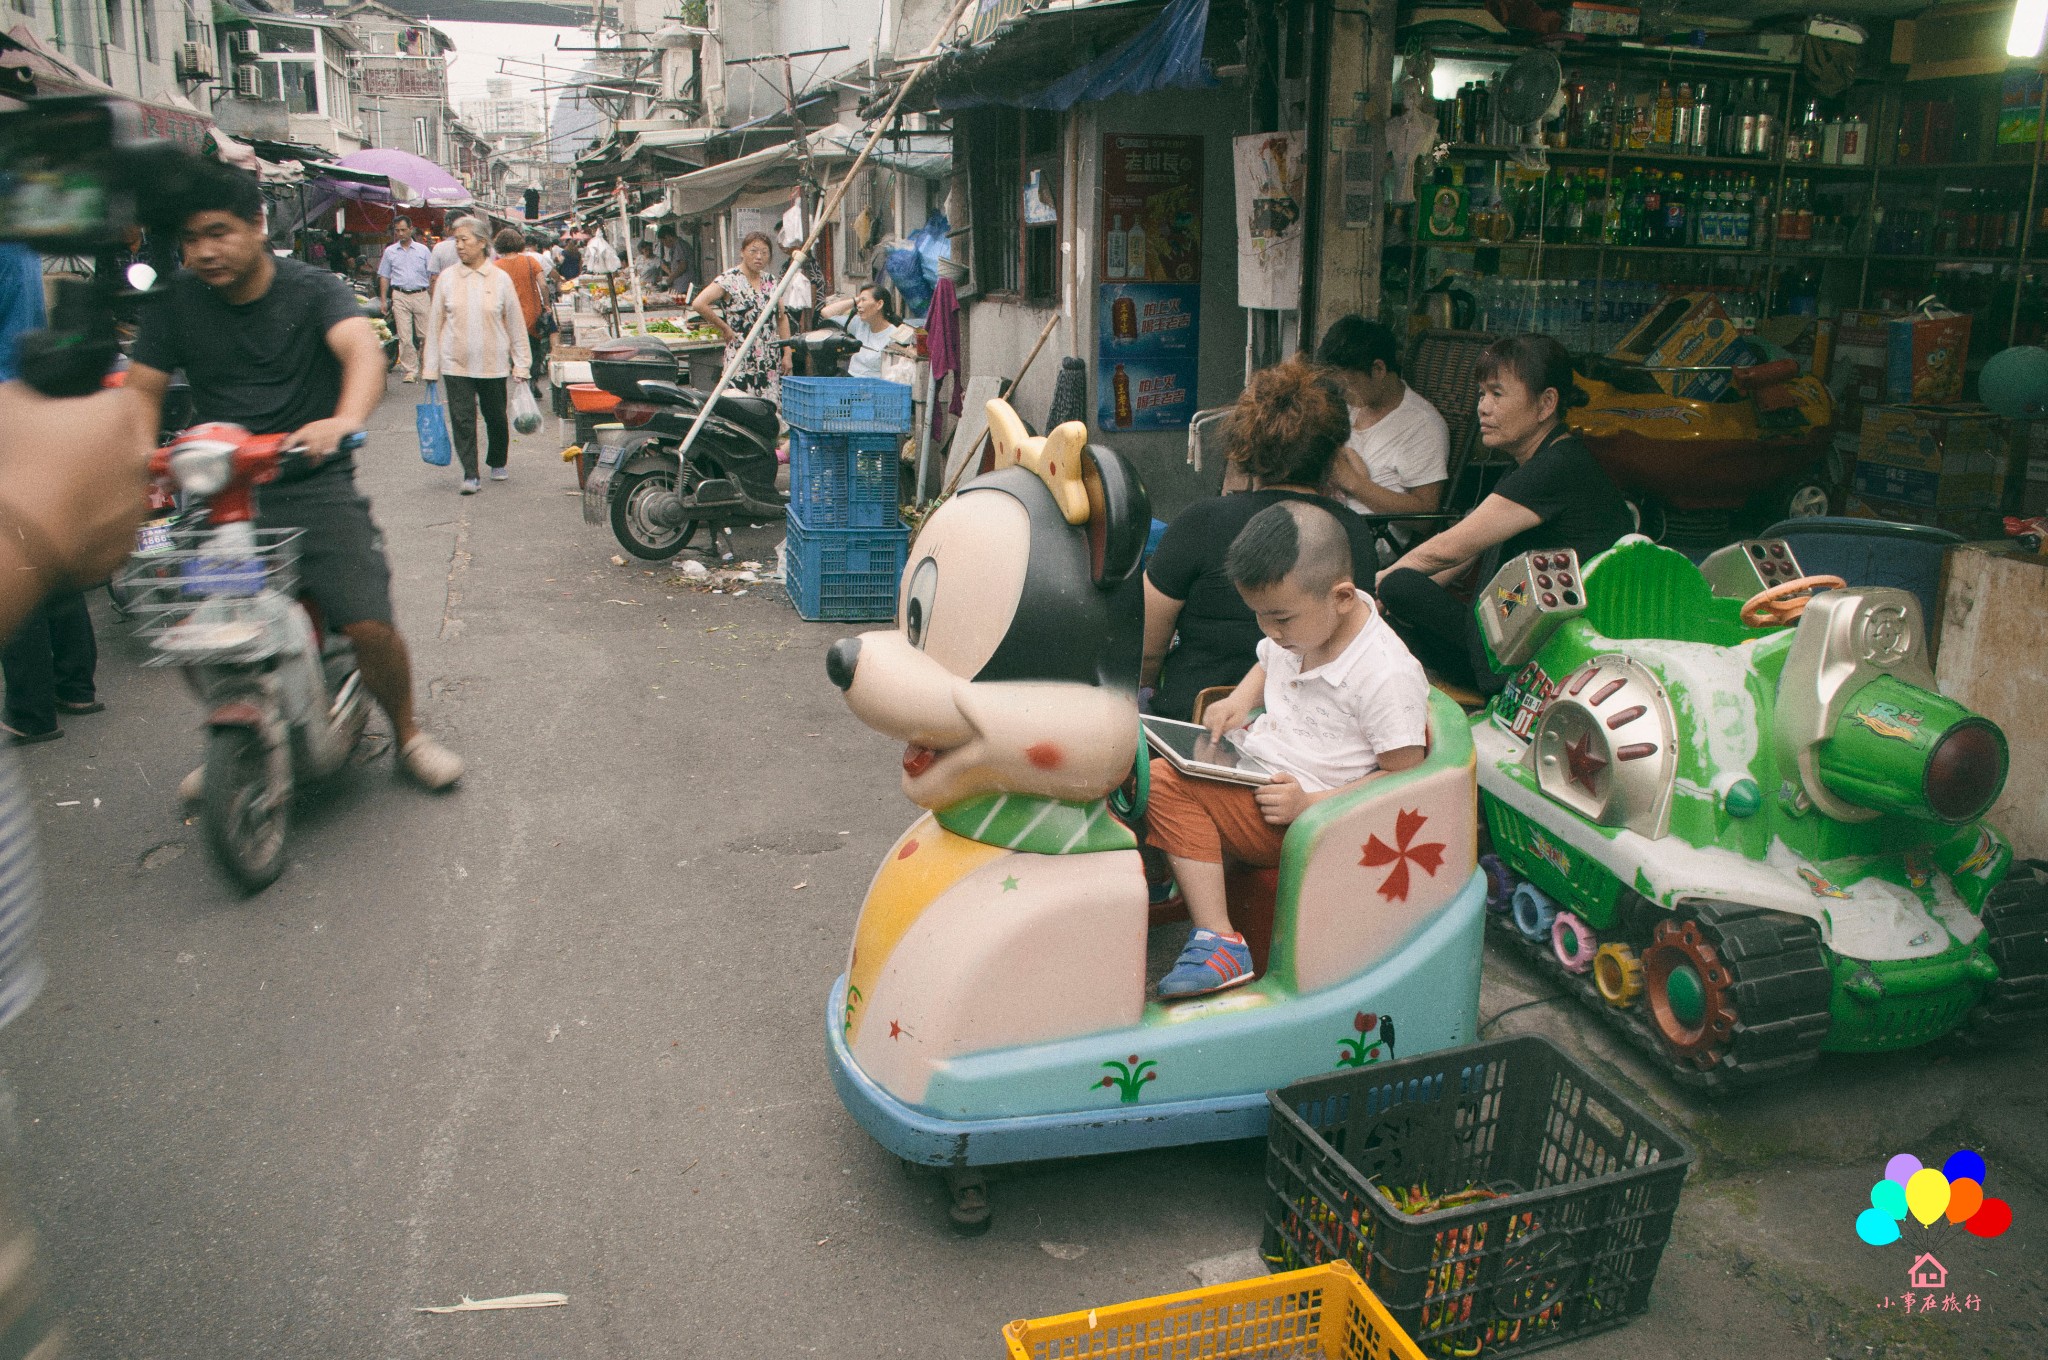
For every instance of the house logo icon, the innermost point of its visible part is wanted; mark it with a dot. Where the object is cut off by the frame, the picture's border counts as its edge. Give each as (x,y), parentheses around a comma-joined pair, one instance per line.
(1928,1273)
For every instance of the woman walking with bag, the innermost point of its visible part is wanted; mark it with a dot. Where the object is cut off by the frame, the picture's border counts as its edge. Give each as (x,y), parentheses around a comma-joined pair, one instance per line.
(529,280)
(476,338)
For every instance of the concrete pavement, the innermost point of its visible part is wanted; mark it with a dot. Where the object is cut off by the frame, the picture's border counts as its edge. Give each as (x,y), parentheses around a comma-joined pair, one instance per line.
(561,1030)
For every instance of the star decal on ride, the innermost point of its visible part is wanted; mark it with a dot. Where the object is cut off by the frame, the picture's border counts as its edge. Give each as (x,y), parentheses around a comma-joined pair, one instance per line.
(1429,857)
(1586,762)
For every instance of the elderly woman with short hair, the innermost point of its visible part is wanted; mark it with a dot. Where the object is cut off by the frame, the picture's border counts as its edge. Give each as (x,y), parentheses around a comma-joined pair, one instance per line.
(476,339)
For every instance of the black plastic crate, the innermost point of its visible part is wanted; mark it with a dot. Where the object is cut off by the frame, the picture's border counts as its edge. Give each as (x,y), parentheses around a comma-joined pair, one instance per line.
(1588,1186)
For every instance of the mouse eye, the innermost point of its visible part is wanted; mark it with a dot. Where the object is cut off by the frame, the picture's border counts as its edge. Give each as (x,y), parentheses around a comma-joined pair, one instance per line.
(917,602)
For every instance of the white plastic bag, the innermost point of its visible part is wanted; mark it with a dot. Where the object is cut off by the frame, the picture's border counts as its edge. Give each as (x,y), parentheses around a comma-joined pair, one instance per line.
(525,410)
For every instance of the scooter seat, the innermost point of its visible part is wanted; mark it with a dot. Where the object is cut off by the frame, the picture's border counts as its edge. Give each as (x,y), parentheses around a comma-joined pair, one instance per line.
(755,413)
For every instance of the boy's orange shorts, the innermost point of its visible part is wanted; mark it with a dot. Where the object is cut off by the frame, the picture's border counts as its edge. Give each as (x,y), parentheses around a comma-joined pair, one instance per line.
(1205,819)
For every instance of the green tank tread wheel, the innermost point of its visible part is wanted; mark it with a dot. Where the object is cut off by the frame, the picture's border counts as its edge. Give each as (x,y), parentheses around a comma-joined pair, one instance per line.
(2015,920)
(1737,994)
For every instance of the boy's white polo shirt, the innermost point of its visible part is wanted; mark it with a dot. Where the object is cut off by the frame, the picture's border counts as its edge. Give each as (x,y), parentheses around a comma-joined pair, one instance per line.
(1327,726)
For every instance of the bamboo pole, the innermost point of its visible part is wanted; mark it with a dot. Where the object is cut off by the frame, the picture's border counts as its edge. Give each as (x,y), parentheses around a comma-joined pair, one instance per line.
(803,251)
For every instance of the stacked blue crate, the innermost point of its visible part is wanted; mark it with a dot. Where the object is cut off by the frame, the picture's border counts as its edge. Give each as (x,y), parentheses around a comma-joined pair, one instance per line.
(846,538)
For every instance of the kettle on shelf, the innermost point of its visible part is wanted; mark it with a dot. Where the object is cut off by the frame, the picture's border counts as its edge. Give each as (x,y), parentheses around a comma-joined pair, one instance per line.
(1449,307)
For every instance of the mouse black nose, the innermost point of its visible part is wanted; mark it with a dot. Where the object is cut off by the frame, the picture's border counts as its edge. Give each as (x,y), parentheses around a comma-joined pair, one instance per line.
(840,661)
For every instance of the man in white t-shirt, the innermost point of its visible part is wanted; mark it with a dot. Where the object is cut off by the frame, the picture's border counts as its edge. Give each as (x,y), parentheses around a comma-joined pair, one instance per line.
(1398,456)
(1343,700)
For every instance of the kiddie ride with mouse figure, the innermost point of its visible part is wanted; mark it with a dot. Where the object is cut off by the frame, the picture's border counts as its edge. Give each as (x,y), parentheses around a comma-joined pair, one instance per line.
(994,1006)
(1735,817)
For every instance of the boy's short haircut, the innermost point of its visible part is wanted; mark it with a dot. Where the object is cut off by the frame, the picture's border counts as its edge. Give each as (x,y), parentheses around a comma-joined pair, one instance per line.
(1295,539)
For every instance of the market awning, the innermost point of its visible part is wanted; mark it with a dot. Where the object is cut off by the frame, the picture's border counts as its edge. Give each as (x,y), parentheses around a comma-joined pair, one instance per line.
(711,189)
(1067,52)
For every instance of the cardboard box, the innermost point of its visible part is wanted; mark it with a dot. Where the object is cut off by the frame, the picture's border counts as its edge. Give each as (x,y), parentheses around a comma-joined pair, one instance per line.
(1935,439)
(1924,358)
(1620,21)
(1689,330)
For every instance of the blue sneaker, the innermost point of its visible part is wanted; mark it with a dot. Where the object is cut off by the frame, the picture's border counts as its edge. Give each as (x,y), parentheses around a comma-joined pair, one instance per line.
(1210,963)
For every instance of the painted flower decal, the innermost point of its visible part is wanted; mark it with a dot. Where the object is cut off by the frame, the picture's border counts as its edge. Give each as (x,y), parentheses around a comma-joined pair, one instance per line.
(1362,1049)
(1129,1077)
(1429,858)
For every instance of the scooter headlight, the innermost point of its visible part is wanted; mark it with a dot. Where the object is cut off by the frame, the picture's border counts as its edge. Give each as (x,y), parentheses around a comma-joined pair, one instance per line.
(202,467)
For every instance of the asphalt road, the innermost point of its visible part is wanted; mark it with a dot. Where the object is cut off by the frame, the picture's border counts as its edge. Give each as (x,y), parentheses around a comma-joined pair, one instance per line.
(561,1030)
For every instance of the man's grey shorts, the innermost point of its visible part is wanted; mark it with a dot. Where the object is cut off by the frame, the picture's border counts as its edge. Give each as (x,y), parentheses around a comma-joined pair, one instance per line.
(341,551)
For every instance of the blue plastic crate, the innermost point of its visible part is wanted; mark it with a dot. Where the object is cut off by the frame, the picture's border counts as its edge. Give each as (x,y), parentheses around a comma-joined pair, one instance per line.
(843,481)
(844,573)
(846,405)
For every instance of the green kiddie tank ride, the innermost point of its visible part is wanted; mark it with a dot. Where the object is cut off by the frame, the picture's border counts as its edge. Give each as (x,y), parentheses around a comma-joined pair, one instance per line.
(1729,810)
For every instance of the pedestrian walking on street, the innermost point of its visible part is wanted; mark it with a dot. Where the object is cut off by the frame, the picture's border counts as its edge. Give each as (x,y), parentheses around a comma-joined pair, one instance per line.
(50,656)
(530,281)
(404,277)
(278,347)
(476,339)
(731,302)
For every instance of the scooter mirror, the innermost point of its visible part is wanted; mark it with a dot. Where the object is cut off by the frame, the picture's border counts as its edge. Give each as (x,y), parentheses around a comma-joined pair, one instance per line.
(141,277)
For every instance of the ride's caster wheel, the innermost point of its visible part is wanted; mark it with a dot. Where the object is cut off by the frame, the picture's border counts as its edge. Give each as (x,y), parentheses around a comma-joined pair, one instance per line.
(1617,974)
(968,1211)
(1737,994)
(1500,882)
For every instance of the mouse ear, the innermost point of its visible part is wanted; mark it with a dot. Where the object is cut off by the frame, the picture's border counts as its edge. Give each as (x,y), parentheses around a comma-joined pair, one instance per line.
(1119,515)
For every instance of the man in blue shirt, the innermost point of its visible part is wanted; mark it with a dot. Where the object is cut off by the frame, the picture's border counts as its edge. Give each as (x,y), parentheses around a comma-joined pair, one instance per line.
(49,658)
(404,276)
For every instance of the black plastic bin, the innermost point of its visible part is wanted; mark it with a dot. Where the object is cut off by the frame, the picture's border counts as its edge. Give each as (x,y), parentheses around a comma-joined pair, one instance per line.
(1589,1185)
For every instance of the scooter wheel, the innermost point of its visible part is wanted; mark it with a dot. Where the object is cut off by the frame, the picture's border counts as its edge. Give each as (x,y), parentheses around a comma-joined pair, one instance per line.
(245,822)
(633,523)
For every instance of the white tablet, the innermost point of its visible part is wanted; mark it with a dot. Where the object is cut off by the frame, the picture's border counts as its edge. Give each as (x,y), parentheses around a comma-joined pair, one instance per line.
(1189,748)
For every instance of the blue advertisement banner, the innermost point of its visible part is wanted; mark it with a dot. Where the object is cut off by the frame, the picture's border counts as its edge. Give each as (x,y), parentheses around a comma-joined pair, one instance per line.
(1147,318)
(1137,392)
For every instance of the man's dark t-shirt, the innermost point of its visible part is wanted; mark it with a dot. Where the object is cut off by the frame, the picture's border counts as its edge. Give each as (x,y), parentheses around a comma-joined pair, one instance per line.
(1219,636)
(263,365)
(1581,507)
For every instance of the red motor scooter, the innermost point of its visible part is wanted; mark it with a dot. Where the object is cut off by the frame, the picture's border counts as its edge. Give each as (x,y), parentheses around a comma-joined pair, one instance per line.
(284,703)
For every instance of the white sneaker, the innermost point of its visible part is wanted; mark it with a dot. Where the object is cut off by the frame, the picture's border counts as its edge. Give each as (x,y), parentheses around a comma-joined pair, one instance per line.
(432,765)
(470,486)
(499,474)
(192,787)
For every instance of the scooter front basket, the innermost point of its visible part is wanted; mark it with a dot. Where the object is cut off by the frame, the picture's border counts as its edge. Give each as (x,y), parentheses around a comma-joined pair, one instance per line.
(196,601)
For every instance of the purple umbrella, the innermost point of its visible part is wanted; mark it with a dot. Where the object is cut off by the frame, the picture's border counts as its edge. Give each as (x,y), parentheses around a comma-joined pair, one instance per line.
(414,179)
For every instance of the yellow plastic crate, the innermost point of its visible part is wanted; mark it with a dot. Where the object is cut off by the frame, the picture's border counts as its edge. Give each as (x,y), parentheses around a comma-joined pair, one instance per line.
(1322,1313)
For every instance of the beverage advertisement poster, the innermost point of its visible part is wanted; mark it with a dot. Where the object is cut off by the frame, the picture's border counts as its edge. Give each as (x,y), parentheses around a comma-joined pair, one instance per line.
(1271,189)
(1145,392)
(1151,225)
(1148,318)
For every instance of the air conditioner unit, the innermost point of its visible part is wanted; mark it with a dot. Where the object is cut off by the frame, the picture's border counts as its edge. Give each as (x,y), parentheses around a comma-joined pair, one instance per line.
(242,44)
(195,62)
(249,82)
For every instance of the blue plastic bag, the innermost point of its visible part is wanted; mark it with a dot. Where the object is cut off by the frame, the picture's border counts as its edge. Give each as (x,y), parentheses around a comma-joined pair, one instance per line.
(436,447)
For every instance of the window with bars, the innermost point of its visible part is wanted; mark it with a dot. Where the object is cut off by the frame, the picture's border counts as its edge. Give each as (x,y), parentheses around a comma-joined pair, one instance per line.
(1010,255)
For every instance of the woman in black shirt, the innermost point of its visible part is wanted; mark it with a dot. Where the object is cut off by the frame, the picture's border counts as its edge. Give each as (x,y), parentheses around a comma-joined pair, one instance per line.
(1558,496)
(1282,436)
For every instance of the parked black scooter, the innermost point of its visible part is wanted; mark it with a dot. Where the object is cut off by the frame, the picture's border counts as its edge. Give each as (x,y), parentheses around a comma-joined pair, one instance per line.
(655,504)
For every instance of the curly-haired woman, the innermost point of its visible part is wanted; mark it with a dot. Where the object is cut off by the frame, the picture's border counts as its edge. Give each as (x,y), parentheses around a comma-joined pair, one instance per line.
(1282,436)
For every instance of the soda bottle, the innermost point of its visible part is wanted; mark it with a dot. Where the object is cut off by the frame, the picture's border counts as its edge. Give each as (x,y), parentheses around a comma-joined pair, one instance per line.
(1674,210)
(1653,210)
(1666,109)
(1681,119)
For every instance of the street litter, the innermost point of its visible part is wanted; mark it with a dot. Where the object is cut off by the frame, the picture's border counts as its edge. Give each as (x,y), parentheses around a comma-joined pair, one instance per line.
(470,1305)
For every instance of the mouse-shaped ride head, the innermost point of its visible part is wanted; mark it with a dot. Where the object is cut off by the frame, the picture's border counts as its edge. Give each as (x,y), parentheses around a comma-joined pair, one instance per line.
(1013,666)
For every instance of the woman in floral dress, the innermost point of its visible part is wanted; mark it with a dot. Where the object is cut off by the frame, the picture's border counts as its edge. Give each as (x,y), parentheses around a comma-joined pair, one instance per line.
(731,302)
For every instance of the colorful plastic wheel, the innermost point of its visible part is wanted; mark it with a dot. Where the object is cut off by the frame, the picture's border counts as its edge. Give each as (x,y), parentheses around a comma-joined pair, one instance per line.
(1533,912)
(1574,942)
(1618,974)
(1688,986)
(1500,882)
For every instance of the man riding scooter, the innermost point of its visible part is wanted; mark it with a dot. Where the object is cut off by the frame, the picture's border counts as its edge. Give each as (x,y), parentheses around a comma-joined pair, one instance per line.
(277,346)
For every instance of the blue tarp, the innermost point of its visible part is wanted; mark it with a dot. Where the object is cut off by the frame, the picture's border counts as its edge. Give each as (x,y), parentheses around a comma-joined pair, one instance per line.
(1164,55)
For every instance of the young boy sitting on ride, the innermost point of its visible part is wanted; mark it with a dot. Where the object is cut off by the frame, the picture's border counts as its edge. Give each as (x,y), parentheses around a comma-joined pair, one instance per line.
(1343,701)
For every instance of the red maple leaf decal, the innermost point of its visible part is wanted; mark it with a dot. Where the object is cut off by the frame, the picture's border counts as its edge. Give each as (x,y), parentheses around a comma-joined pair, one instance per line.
(1429,858)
